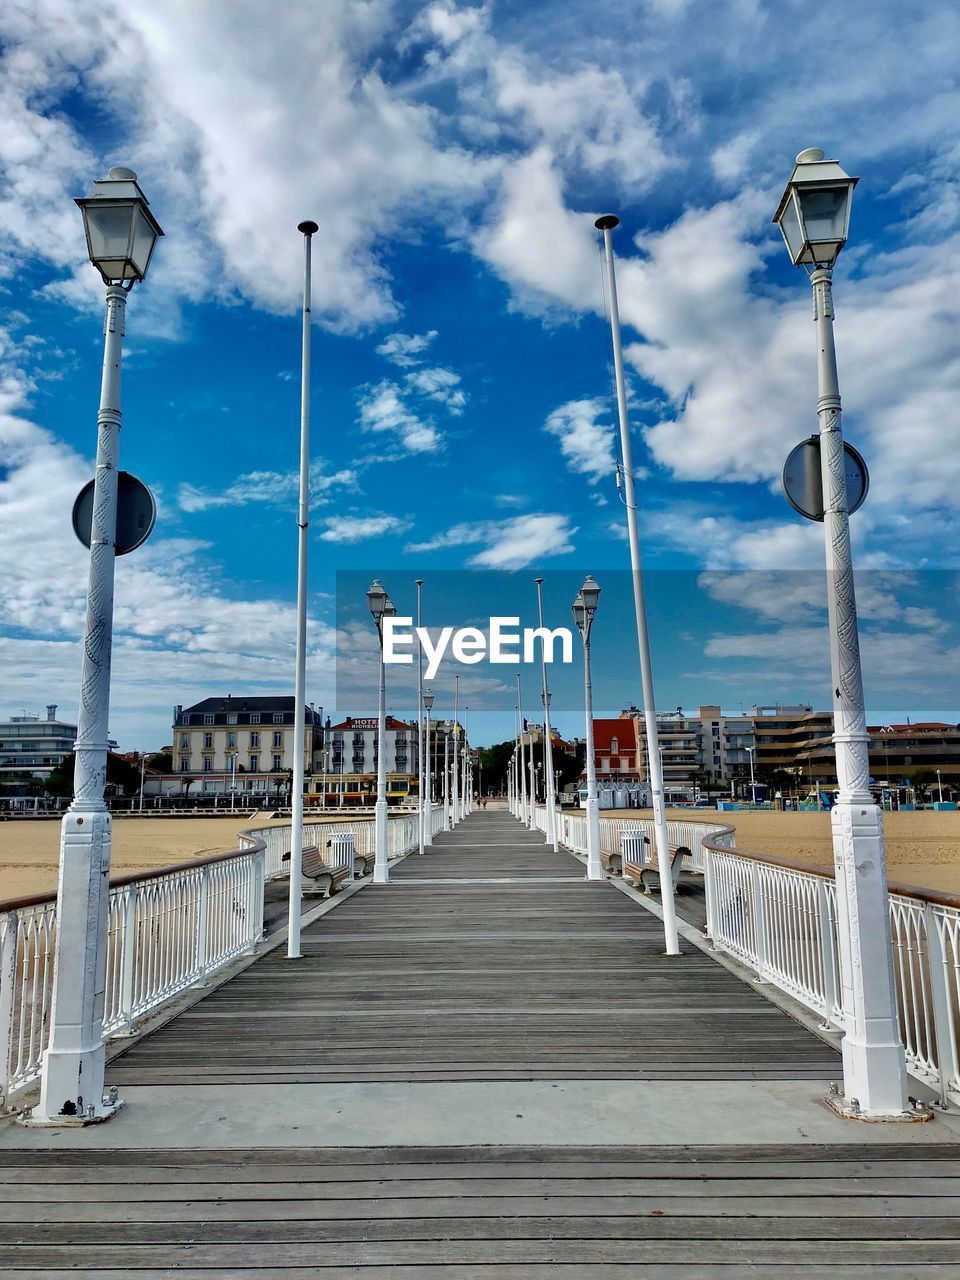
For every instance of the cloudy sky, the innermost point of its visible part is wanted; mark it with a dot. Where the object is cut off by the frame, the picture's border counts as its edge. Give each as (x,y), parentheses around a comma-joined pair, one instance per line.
(455,157)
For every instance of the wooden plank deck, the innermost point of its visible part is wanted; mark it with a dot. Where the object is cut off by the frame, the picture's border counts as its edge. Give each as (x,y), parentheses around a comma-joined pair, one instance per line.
(499,1213)
(490,959)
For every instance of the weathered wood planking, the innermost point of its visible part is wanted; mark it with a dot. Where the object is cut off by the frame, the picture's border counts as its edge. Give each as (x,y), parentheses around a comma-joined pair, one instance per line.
(803,1211)
(442,975)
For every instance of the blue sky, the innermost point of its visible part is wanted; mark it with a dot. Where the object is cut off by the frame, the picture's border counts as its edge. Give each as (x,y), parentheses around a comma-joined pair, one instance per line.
(455,157)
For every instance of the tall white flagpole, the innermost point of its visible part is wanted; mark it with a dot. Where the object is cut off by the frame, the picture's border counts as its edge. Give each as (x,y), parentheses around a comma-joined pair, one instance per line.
(654,765)
(420,772)
(300,693)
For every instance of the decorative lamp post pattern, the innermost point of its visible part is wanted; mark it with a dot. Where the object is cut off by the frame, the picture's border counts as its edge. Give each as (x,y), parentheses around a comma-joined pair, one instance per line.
(526,809)
(121,234)
(814,218)
(584,611)
(421,811)
(381,607)
(455,778)
(446,779)
(428,767)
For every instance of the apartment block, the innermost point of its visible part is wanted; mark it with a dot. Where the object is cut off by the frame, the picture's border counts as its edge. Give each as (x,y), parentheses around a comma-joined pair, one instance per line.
(34,747)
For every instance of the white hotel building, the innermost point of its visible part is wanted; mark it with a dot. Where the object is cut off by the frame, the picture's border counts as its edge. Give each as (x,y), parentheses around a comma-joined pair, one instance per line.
(349,774)
(246,742)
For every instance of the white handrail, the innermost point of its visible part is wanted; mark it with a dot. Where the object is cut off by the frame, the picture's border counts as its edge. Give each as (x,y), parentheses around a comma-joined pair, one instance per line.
(781,921)
(166,932)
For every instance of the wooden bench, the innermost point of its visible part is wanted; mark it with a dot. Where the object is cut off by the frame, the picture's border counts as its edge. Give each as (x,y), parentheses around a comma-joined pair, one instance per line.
(362,863)
(647,877)
(326,877)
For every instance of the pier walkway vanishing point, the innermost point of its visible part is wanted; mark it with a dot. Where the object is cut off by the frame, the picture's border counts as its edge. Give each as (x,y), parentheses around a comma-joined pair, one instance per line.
(485,1069)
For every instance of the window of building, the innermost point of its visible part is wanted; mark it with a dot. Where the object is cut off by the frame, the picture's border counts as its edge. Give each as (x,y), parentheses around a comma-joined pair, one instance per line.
(208,739)
(278,717)
(278,738)
(614,745)
(254,739)
(184,764)
(254,764)
(232,718)
(254,717)
(232,739)
(277,763)
(208,719)
(184,742)
(208,764)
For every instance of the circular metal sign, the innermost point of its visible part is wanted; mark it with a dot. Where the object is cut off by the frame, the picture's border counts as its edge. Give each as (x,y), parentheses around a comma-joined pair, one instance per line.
(803,483)
(136,513)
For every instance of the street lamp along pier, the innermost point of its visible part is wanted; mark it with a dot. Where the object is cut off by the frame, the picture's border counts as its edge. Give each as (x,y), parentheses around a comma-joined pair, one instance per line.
(814,218)
(121,235)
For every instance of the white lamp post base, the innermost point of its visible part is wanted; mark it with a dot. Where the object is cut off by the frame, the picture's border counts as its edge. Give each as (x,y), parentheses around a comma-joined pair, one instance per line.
(594,865)
(381,867)
(106,1112)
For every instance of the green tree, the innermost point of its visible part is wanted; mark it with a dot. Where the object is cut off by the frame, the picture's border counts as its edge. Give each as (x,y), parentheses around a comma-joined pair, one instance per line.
(160,762)
(120,773)
(921,779)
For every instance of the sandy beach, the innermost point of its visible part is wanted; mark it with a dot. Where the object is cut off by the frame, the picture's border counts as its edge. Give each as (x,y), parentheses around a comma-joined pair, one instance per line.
(922,848)
(30,847)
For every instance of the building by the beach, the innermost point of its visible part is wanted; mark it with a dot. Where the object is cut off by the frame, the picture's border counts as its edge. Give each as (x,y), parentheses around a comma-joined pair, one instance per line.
(244,744)
(31,747)
(347,773)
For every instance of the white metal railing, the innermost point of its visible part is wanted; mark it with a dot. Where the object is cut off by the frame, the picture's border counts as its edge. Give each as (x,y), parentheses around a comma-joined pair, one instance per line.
(166,932)
(781,921)
(169,932)
(688,833)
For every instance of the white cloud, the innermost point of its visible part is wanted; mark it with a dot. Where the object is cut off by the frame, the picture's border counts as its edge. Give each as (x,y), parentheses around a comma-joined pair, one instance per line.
(274,487)
(507,544)
(382,410)
(177,630)
(543,249)
(585,442)
(303,124)
(442,385)
(405,349)
(588,117)
(360,528)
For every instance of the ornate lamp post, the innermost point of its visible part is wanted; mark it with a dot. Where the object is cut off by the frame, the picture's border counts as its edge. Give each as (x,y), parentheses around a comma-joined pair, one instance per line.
(814,217)
(584,611)
(381,607)
(427,770)
(121,235)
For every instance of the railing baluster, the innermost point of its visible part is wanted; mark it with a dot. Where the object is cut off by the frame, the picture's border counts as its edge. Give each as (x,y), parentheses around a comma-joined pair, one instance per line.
(948,1067)
(8,970)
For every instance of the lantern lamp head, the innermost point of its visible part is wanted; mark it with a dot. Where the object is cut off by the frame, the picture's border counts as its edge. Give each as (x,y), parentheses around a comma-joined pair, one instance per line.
(814,210)
(590,591)
(377,599)
(121,231)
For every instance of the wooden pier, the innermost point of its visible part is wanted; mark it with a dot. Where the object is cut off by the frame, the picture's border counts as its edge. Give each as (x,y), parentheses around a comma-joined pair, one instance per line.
(487,1068)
